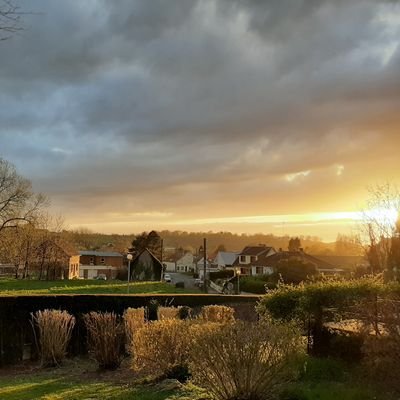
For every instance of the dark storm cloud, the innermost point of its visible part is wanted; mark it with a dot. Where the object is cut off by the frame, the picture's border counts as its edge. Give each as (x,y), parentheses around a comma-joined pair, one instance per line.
(169,94)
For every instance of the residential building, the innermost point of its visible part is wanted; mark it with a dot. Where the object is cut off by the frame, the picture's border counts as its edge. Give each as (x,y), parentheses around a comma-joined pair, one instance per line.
(185,263)
(99,263)
(252,260)
(146,267)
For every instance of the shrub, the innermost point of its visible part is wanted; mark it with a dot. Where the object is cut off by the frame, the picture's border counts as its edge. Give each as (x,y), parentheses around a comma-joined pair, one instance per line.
(382,345)
(55,328)
(258,285)
(168,313)
(184,312)
(244,361)
(105,338)
(217,314)
(160,348)
(133,320)
(152,310)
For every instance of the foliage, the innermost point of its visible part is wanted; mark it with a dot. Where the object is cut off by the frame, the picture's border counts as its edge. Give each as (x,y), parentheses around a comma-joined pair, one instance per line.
(295,270)
(150,241)
(256,284)
(168,313)
(217,314)
(299,302)
(294,244)
(152,310)
(105,338)
(160,348)
(133,321)
(382,347)
(55,329)
(245,361)
(18,203)
(184,312)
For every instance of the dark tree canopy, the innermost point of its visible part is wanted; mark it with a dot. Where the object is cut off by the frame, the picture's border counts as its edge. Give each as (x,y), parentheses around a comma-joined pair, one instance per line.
(151,241)
(295,270)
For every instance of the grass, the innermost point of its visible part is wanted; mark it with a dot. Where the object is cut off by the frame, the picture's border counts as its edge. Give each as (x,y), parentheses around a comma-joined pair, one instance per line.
(91,286)
(78,380)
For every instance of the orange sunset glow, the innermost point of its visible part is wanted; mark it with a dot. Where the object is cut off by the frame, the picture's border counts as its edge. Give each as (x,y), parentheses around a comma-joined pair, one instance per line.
(205,116)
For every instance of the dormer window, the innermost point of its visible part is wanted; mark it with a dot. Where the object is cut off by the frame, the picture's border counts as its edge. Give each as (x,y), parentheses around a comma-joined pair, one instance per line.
(242,258)
(253,258)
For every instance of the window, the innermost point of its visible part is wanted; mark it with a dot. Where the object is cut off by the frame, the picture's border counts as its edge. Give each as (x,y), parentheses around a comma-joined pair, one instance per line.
(242,258)
(259,270)
(253,258)
(91,261)
(103,261)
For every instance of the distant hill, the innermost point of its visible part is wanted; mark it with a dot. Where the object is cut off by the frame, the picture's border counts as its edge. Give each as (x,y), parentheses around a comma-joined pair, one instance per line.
(86,240)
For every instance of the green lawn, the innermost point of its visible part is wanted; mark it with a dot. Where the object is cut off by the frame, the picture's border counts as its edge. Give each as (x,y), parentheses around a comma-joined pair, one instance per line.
(79,380)
(21,286)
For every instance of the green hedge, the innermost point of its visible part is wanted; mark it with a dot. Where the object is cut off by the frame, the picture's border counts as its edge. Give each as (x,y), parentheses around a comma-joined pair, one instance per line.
(252,284)
(223,274)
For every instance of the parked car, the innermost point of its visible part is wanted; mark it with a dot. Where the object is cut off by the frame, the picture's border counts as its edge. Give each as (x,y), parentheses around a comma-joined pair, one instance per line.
(167,278)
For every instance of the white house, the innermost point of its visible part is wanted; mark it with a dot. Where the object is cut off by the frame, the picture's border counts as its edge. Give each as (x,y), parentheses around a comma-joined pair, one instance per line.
(252,260)
(185,263)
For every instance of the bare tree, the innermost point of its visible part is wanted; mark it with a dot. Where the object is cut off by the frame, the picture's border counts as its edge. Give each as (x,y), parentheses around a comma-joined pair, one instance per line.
(18,203)
(379,228)
(10,19)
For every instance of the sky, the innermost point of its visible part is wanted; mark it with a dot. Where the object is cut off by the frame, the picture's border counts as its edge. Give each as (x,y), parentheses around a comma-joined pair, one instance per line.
(241,115)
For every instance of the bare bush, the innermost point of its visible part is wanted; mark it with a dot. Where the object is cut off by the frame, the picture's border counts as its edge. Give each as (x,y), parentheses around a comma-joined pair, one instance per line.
(242,361)
(221,314)
(55,329)
(168,313)
(382,343)
(133,321)
(105,338)
(161,346)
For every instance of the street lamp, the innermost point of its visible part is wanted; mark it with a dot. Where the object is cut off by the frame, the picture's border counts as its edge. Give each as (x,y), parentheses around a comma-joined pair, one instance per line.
(238,276)
(129,257)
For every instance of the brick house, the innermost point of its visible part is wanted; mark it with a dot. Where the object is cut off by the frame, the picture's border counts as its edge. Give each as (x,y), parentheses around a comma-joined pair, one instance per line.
(95,263)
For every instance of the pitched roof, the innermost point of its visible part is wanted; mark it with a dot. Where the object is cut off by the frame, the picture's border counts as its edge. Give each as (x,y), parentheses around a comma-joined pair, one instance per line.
(100,253)
(155,259)
(226,257)
(255,250)
(274,259)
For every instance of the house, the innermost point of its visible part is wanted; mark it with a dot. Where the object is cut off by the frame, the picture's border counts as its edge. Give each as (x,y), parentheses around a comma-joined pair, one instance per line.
(146,267)
(252,260)
(185,263)
(200,267)
(169,266)
(225,259)
(323,267)
(95,263)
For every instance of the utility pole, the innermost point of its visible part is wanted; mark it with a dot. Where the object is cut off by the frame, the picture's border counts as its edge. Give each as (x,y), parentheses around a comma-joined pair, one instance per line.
(161,258)
(205,264)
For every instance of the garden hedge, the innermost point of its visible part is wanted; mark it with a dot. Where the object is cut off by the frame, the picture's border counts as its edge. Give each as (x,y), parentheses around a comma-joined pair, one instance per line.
(16,333)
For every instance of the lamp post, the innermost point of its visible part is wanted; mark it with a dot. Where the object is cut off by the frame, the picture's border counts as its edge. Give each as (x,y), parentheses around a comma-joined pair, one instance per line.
(238,279)
(129,257)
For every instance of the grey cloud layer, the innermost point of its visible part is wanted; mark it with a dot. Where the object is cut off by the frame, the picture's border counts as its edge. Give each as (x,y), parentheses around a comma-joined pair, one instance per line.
(166,94)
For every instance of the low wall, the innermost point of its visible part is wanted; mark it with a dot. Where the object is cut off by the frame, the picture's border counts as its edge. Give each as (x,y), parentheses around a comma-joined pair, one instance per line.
(17,341)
